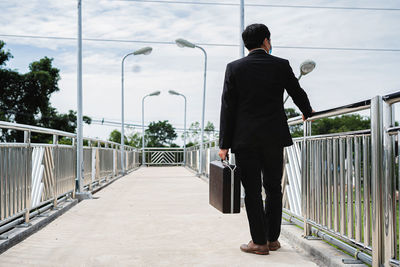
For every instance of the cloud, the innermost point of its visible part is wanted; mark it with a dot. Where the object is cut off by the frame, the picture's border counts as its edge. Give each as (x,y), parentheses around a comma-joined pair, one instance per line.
(341,77)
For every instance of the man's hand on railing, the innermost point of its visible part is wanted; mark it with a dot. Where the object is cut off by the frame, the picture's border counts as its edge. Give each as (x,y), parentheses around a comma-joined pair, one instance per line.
(304,117)
(222,153)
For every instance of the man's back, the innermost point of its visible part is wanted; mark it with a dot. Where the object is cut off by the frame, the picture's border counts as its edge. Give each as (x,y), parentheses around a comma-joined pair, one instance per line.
(252,111)
(253,124)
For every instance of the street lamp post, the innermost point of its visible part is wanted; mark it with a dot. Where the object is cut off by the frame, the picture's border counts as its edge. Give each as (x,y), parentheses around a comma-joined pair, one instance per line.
(156,93)
(172,92)
(305,68)
(241,48)
(142,51)
(79,137)
(184,43)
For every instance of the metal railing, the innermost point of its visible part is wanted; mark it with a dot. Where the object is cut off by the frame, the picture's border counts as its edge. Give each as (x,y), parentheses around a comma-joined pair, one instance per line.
(348,183)
(163,156)
(210,153)
(35,176)
(343,187)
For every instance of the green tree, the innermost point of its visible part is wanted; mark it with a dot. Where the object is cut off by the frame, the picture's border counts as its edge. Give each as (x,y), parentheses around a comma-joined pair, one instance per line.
(344,123)
(160,134)
(291,113)
(115,136)
(4,55)
(135,139)
(339,124)
(194,132)
(209,130)
(295,130)
(25,98)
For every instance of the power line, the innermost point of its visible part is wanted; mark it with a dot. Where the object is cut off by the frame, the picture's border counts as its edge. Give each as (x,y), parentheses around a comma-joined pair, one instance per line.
(257,5)
(262,5)
(116,123)
(203,44)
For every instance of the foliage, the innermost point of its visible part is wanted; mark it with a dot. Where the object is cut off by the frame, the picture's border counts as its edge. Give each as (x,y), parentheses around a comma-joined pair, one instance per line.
(190,144)
(134,140)
(295,130)
(115,136)
(160,134)
(339,124)
(345,123)
(195,131)
(25,98)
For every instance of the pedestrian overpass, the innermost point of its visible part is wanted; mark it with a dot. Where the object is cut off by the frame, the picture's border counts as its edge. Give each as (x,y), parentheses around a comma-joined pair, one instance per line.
(340,187)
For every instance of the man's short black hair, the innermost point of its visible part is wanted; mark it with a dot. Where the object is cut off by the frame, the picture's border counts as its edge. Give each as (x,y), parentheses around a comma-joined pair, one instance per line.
(254,35)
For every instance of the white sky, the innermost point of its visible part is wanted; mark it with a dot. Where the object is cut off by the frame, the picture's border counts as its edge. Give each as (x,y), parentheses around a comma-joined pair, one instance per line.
(341,77)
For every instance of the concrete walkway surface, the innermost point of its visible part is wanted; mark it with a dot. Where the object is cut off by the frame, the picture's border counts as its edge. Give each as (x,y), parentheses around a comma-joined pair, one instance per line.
(155,216)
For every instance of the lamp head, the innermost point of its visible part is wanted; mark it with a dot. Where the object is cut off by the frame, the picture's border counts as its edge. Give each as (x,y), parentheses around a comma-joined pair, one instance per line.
(172,92)
(307,66)
(155,93)
(184,43)
(143,51)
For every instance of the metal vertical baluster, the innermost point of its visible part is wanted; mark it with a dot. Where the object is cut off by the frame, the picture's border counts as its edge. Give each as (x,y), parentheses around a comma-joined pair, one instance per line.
(15,174)
(357,176)
(342,186)
(2,179)
(20,180)
(366,187)
(28,177)
(329,181)
(305,178)
(319,202)
(2,175)
(7,181)
(336,184)
(323,181)
(312,180)
(349,172)
(389,193)
(376,180)
(398,183)
(55,156)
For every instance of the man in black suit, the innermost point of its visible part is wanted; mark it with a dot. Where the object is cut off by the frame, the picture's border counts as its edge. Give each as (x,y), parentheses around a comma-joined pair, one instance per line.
(254,126)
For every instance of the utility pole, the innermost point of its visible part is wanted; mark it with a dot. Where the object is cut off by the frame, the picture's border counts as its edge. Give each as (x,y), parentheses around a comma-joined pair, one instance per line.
(241,48)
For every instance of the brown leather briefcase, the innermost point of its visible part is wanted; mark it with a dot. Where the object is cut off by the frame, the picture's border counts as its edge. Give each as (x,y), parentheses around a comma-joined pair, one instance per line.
(224,187)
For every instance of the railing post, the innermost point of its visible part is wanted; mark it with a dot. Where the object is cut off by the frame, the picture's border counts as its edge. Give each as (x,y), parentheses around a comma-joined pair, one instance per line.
(376,180)
(28,176)
(305,190)
(55,157)
(389,201)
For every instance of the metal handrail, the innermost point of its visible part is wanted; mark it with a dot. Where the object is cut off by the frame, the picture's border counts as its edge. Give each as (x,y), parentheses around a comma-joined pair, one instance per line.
(24,127)
(43,130)
(357,106)
(392,98)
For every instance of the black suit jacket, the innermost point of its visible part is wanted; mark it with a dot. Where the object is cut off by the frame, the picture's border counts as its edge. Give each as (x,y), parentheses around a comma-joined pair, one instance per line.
(252,112)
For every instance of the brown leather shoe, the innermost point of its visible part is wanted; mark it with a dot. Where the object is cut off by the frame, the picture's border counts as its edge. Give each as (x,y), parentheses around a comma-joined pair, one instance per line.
(254,248)
(275,245)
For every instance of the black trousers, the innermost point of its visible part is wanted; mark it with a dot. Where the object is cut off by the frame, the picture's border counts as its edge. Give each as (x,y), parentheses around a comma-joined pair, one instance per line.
(264,222)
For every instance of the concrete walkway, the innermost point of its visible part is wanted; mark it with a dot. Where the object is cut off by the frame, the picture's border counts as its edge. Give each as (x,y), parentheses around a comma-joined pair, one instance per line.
(152,217)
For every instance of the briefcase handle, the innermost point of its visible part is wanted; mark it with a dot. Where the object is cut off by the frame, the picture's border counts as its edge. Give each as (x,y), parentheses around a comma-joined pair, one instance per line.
(226,158)
(226,163)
